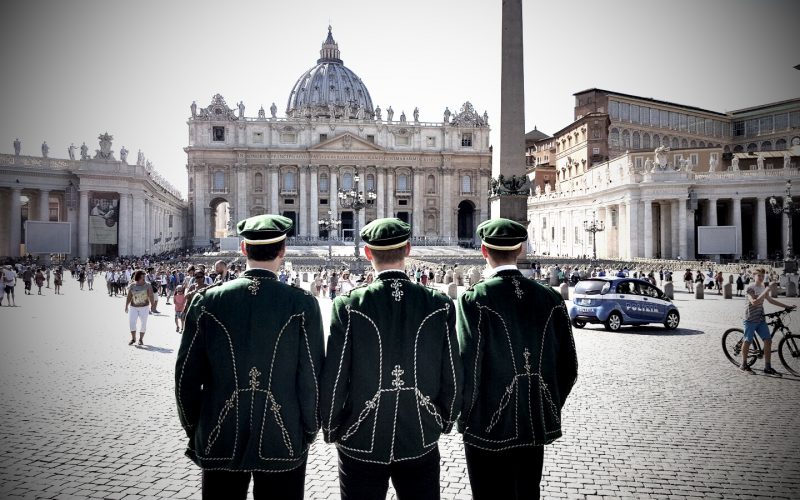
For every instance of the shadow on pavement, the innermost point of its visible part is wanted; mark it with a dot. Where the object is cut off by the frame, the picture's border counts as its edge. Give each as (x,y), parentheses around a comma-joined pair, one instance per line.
(153,348)
(659,331)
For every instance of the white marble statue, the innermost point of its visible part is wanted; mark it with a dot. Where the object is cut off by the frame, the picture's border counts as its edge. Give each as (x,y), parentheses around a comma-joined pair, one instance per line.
(193,107)
(45,149)
(17,146)
(389,114)
(84,151)
(261,113)
(273,110)
(378,113)
(360,113)
(485,118)
(416,115)
(760,162)
(402,117)
(735,163)
(241,109)
(123,155)
(787,160)
(712,163)
(447,114)
(140,158)
(71,151)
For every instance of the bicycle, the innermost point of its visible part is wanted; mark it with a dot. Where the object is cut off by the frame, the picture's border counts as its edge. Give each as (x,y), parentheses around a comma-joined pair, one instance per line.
(788,347)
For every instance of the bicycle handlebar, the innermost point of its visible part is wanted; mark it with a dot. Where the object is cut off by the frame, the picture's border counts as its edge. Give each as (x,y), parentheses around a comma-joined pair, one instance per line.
(782,311)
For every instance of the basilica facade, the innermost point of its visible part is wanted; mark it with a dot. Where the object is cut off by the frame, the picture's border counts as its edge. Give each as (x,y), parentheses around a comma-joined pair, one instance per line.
(333,138)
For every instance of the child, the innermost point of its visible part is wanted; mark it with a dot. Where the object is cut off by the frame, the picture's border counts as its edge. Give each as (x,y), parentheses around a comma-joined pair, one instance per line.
(180,303)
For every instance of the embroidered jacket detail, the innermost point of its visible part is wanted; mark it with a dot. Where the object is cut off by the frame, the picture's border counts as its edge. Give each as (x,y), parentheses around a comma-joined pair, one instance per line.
(517,290)
(397,293)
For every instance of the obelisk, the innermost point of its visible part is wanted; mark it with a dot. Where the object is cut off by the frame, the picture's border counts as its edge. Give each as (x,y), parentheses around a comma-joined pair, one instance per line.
(512,115)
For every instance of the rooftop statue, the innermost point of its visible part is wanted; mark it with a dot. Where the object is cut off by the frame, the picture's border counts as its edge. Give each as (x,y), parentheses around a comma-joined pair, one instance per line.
(389,114)
(416,115)
(378,113)
(45,149)
(447,114)
(241,110)
(17,146)
(84,151)
(261,113)
(71,151)
(194,109)
(123,155)
(273,110)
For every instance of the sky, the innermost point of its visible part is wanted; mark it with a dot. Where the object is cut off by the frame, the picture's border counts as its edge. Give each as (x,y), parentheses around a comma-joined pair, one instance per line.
(73,69)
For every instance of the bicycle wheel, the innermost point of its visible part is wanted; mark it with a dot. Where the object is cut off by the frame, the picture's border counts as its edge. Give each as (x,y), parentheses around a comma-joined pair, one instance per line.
(732,341)
(789,352)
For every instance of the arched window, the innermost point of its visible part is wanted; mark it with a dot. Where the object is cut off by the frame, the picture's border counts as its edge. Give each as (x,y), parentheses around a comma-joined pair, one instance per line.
(258,182)
(693,144)
(626,139)
(727,149)
(288,181)
(402,182)
(674,143)
(752,147)
(219,181)
(684,143)
(466,184)
(656,141)
(613,137)
(766,146)
(702,144)
(738,149)
(780,144)
(370,182)
(637,143)
(323,183)
(646,141)
(431,184)
(347,181)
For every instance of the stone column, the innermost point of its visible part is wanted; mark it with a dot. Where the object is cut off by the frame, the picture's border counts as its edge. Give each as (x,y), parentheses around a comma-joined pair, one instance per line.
(712,212)
(241,192)
(200,221)
(44,205)
(124,227)
(15,223)
(784,232)
(447,203)
(512,111)
(663,222)
(648,229)
(313,228)
(83,225)
(623,231)
(137,226)
(380,202)
(333,199)
(303,209)
(362,186)
(736,208)
(690,246)
(674,226)
(274,191)
(390,193)
(483,195)
(147,221)
(417,196)
(761,228)
(634,236)
(683,247)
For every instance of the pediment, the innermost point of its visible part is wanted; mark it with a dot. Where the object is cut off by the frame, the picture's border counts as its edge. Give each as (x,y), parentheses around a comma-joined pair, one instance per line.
(346,142)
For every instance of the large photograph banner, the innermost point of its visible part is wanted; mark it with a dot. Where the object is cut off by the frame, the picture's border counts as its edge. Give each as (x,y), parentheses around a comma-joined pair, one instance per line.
(103,218)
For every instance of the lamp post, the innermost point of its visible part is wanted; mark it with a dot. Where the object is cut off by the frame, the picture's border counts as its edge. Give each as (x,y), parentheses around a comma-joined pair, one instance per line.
(594,226)
(788,208)
(329,224)
(355,200)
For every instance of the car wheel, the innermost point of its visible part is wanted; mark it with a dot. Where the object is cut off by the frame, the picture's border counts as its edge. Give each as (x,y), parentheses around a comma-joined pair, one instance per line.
(672,320)
(614,321)
(577,323)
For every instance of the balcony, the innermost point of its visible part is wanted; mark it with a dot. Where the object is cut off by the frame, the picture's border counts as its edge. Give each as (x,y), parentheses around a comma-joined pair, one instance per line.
(403,193)
(288,191)
(219,190)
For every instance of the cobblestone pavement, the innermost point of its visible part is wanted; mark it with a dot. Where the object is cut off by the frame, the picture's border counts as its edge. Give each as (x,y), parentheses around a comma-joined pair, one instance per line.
(655,414)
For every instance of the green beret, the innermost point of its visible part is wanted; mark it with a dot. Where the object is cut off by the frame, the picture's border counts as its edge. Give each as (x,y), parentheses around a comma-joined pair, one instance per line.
(264,229)
(386,234)
(502,234)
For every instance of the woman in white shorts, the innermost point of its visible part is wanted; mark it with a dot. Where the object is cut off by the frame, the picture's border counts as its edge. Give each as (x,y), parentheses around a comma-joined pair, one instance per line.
(138,305)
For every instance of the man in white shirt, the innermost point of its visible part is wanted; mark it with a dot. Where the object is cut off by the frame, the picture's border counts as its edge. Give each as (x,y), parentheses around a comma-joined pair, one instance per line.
(9,282)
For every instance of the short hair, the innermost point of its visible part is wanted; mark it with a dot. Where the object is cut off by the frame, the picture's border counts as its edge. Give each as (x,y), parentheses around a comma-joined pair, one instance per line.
(760,270)
(502,255)
(264,253)
(138,274)
(388,256)
(220,262)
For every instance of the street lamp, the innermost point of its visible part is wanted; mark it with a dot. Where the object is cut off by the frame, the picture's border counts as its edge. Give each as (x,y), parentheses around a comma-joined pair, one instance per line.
(355,200)
(787,208)
(594,226)
(329,224)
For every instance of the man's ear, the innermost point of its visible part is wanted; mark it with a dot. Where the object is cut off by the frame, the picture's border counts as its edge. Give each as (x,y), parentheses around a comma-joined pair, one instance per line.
(282,252)
(484,252)
(368,253)
(408,249)
(243,248)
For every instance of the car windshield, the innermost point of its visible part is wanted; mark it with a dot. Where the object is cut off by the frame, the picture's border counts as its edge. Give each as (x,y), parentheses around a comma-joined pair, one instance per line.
(591,287)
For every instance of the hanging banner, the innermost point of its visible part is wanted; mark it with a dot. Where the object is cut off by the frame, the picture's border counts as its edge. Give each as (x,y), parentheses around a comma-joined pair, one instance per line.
(103,218)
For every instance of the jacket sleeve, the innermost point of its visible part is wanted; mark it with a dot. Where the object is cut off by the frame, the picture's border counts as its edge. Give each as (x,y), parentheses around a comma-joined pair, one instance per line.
(469,339)
(191,367)
(336,372)
(309,367)
(452,372)
(566,356)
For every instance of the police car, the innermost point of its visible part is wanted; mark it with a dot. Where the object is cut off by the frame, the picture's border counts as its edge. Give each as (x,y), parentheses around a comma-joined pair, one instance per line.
(621,301)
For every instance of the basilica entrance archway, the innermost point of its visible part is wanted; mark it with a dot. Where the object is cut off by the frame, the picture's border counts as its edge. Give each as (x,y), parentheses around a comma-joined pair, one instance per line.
(466,221)
(220,210)
(292,215)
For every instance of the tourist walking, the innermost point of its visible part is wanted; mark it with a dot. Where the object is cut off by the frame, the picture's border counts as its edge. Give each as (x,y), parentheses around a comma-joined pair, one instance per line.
(138,304)
(246,376)
(180,305)
(90,277)
(39,279)
(9,283)
(688,280)
(520,365)
(58,279)
(47,276)
(392,377)
(27,279)
(81,277)
(739,285)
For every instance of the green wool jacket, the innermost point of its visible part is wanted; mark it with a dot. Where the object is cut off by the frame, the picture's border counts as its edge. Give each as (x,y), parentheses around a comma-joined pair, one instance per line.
(392,377)
(519,362)
(246,377)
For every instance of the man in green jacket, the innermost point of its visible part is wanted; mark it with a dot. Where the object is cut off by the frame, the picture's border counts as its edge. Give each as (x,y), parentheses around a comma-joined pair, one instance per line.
(392,377)
(519,367)
(246,377)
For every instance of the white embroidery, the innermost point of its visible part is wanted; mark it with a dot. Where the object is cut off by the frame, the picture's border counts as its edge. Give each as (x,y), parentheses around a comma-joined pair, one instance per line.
(253,286)
(517,289)
(397,293)
(397,373)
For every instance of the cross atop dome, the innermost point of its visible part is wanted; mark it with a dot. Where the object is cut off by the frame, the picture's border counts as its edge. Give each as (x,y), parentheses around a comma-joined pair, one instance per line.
(330,49)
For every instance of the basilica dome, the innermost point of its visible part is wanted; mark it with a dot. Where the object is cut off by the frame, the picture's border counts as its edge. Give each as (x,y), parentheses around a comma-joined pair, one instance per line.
(329,89)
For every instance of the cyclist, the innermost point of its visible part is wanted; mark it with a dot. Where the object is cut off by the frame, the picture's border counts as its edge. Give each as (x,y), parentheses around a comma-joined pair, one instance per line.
(754,321)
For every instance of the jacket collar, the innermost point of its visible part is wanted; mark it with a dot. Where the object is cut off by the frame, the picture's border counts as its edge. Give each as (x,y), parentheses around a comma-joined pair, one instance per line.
(392,274)
(259,273)
(506,271)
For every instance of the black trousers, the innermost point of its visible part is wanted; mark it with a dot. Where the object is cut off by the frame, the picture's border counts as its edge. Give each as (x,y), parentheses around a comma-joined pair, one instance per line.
(508,474)
(416,479)
(225,485)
